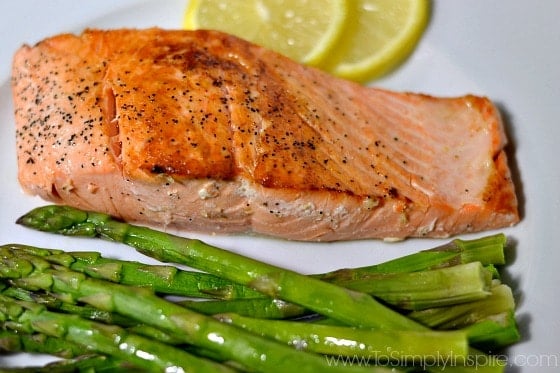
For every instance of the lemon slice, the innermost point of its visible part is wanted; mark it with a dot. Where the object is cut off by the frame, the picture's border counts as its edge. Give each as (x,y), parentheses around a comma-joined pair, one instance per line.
(379,35)
(304,30)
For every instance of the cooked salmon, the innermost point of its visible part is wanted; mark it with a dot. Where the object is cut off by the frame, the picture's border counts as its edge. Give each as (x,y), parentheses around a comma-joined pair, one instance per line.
(206,132)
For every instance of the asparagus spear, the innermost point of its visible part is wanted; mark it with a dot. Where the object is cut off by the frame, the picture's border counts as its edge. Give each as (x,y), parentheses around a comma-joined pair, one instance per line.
(424,289)
(93,313)
(54,303)
(494,332)
(84,363)
(170,280)
(346,306)
(264,308)
(486,250)
(162,278)
(462,315)
(407,290)
(415,343)
(336,340)
(11,341)
(251,351)
(349,307)
(490,322)
(415,290)
(101,338)
(76,357)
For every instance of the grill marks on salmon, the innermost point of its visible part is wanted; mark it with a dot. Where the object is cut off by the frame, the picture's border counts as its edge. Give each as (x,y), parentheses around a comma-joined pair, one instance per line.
(207,132)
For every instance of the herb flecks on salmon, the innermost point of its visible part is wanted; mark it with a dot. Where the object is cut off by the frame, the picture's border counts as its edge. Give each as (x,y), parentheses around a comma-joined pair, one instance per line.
(207,132)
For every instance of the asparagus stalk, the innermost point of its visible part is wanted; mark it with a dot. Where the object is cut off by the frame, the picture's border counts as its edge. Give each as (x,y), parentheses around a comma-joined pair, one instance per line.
(489,322)
(251,351)
(12,341)
(346,306)
(54,303)
(494,332)
(170,280)
(415,290)
(407,290)
(161,278)
(462,315)
(349,307)
(91,313)
(84,363)
(486,250)
(101,338)
(429,288)
(76,357)
(336,340)
(263,308)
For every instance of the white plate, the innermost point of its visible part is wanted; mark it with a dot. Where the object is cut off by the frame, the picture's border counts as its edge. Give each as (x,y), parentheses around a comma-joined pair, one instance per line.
(509,51)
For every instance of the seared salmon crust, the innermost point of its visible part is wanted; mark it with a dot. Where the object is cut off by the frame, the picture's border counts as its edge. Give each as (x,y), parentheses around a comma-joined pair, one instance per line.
(207,132)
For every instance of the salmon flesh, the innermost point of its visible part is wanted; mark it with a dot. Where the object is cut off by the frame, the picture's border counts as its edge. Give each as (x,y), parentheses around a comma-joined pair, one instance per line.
(206,132)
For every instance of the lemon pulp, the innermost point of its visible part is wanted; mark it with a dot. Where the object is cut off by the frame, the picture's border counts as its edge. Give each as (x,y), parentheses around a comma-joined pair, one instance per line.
(358,40)
(381,35)
(304,30)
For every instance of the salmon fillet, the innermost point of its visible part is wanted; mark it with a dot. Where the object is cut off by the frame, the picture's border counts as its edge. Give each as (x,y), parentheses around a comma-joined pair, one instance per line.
(206,132)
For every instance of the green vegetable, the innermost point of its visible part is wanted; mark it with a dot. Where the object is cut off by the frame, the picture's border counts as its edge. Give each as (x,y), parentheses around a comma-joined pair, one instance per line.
(429,288)
(83,363)
(77,358)
(13,341)
(490,322)
(264,308)
(457,316)
(494,332)
(349,307)
(486,250)
(161,278)
(457,274)
(407,290)
(337,340)
(251,351)
(67,306)
(101,338)
(417,290)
